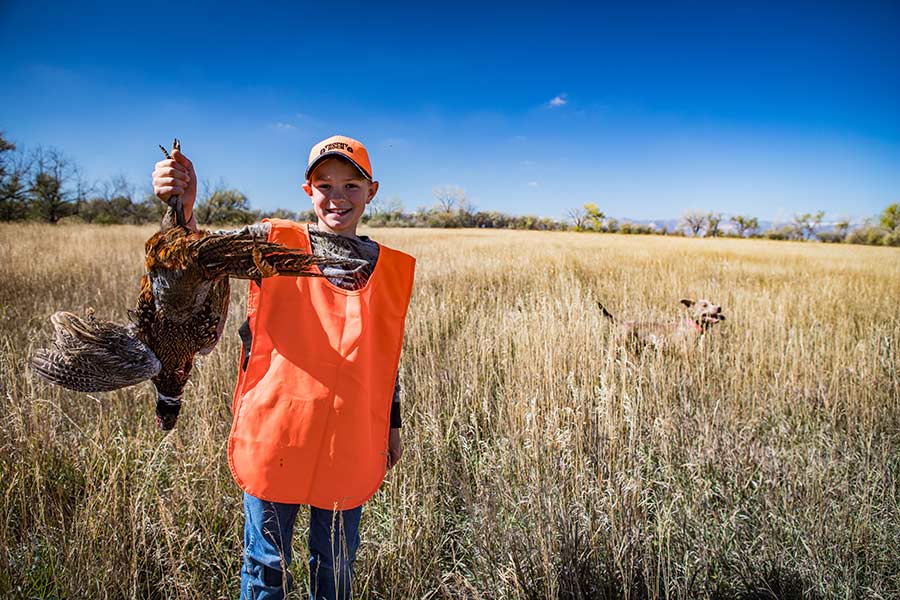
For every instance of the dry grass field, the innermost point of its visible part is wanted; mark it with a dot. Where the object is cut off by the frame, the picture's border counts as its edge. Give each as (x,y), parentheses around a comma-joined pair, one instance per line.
(540,461)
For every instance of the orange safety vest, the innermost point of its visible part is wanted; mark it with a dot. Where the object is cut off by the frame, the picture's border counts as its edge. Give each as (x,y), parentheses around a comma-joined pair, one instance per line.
(312,408)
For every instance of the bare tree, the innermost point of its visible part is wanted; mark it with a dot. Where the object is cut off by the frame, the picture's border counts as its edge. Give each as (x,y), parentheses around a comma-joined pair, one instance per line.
(383,211)
(579,217)
(449,197)
(115,202)
(466,207)
(694,220)
(745,224)
(83,189)
(116,186)
(207,187)
(393,206)
(375,207)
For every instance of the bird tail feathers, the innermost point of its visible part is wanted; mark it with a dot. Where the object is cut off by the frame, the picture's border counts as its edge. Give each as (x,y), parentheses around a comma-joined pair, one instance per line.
(90,355)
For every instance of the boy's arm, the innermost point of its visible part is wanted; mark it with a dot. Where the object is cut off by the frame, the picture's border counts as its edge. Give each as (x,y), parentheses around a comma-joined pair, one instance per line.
(395,447)
(258,230)
(396,422)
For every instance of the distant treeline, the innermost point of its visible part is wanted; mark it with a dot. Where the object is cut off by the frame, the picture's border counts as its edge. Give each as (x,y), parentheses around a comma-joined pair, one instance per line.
(44,185)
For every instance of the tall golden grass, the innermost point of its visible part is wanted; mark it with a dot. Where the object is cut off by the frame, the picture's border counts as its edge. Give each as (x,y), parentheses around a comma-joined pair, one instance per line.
(540,460)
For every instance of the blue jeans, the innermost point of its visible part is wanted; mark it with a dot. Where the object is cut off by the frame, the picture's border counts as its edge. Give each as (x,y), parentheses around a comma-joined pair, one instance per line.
(268,527)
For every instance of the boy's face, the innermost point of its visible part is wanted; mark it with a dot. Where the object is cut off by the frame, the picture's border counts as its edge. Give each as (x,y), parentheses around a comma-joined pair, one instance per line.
(339,194)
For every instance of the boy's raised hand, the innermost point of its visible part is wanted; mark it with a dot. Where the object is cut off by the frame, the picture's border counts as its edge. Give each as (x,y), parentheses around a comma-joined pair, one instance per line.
(176,177)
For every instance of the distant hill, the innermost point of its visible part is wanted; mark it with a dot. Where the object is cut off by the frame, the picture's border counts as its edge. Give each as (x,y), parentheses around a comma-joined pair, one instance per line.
(727,226)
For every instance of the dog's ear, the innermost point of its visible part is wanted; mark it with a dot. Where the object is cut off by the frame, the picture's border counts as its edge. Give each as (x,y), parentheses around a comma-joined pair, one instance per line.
(687,302)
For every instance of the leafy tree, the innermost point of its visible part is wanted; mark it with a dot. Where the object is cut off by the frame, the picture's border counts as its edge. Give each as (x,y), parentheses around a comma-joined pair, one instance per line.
(281,213)
(307,216)
(151,209)
(5,146)
(14,169)
(745,224)
(225,206)
(837,235)
(890,217)
(635,228)
(785,232)
(841,227)
(594,217)
(868,234)
(48,198)
(713,219)
(50,194)
(805,224)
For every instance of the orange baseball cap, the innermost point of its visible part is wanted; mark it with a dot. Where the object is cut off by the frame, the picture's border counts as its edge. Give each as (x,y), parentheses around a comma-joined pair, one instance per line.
(340,145)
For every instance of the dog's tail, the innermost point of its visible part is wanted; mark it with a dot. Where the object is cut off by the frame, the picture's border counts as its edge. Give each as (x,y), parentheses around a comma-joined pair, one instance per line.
(606,313)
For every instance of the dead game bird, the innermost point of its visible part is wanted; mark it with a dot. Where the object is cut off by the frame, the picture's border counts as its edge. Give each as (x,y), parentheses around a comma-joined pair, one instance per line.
(181,311)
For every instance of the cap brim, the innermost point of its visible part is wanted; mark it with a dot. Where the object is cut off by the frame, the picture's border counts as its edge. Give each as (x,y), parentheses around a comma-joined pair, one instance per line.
(322,157)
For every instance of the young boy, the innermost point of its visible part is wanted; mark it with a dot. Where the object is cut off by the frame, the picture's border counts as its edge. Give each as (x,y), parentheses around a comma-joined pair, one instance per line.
(314,422)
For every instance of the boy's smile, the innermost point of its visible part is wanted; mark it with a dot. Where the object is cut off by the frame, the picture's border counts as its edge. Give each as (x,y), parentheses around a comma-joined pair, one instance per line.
(339,194)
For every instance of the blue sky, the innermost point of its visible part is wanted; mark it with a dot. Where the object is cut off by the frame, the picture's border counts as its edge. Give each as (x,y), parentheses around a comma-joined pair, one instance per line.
(646,109)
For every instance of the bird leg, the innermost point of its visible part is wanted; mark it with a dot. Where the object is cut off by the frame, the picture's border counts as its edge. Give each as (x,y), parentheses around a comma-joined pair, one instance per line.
(175,202)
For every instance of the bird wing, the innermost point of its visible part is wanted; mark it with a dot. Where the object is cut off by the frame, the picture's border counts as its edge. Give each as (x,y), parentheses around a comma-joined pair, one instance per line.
(245,256)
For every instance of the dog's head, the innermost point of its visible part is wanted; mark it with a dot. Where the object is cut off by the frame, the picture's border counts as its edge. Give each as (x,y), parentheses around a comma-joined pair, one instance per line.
(703,312)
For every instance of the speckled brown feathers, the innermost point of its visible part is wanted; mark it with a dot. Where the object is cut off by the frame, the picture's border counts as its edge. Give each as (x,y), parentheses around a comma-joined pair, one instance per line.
(181,311)
(94,356)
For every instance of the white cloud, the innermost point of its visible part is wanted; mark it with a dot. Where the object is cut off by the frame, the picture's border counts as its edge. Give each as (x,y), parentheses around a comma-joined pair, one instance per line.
(534,184)
(281,126)
(558,101)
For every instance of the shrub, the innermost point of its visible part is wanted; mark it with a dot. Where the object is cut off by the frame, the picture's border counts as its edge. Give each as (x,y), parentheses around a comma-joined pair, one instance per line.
(869,235)
(830,237)
(780,233)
